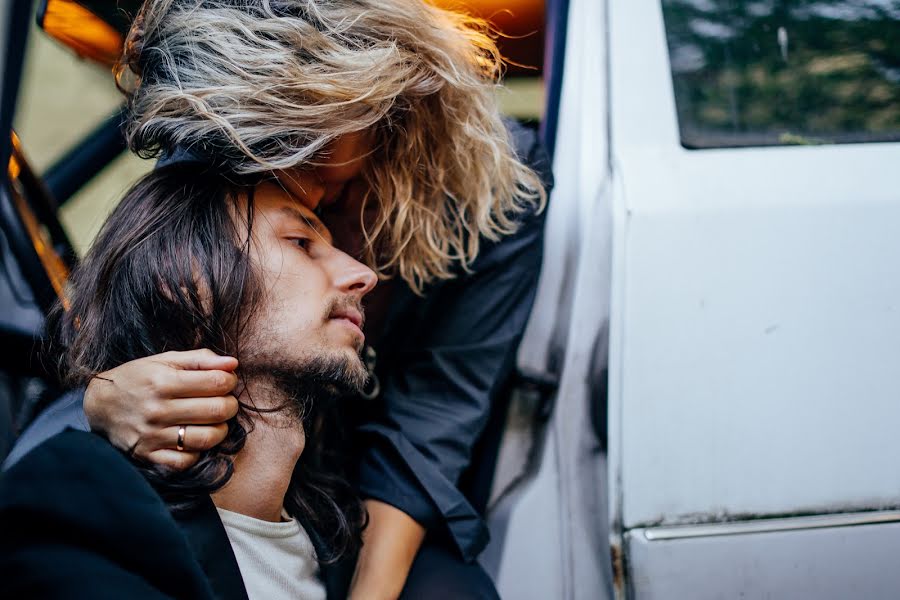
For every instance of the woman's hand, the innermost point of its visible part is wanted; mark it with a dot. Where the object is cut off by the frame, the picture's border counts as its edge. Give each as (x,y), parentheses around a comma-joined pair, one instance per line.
(141,405)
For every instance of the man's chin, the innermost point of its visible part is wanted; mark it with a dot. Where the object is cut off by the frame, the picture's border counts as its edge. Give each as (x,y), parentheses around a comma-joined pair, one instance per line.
(325,376)
(339,374)
(352,377)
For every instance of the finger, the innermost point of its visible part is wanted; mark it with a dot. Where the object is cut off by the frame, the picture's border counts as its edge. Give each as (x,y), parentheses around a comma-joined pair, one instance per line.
(195,411)
(196,384)
(174,459)
(199,360)
(196,438)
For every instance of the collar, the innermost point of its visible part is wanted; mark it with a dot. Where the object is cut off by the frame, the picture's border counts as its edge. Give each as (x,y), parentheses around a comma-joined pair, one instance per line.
(206,536)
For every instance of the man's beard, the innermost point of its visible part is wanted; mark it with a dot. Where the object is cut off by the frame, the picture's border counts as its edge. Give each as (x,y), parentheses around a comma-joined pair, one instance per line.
(292,383)
(292,388)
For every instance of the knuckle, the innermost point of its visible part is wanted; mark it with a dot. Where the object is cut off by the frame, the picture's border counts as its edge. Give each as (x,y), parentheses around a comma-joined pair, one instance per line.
(157,381)
(221,409)
(220,380)
(154,411)
(185,460)
(144,432)
(208,438)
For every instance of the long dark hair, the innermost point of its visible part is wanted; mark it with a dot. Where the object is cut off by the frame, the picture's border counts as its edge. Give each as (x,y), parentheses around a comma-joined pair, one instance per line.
(170,270)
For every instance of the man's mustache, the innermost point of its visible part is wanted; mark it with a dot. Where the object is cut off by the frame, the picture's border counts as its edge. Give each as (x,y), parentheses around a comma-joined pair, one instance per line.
(340,305)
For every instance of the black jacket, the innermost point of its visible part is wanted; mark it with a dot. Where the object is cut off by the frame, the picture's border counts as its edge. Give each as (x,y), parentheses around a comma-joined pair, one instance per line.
(79,521)
(442,361)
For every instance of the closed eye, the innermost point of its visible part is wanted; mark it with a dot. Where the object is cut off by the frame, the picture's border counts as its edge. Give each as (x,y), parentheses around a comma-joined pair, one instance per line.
(302,243)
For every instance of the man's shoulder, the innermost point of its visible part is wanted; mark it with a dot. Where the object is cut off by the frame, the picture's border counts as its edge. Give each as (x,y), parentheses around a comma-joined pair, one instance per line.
(76,513)
(64,413)
(75,457)
(79,476)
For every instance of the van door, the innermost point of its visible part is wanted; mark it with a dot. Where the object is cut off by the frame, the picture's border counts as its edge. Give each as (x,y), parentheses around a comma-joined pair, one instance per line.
(755,312)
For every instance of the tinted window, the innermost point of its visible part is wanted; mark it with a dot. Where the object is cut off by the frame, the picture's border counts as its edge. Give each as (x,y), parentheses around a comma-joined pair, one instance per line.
(769,72)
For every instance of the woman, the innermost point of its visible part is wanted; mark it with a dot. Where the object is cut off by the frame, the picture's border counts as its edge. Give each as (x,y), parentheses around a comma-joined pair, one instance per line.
(381,116)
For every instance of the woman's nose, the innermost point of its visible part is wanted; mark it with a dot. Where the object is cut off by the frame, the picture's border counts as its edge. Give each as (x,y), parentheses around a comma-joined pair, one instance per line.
(305,186)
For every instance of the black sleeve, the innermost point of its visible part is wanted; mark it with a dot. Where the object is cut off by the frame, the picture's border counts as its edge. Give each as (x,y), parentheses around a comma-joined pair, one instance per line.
(79,521)
(439,391)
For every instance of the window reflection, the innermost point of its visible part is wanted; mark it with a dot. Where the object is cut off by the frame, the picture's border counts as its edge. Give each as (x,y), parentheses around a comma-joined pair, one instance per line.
(769,72)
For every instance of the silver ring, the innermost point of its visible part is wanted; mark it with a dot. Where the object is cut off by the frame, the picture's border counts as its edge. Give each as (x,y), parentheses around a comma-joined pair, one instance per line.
(179,443)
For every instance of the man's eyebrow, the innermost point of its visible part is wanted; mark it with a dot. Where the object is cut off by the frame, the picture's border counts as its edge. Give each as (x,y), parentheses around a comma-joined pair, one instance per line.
(316,224)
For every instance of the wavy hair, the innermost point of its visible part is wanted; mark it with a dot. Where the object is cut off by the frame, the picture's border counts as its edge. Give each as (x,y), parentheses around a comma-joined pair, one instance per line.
(167,272)
(266,85)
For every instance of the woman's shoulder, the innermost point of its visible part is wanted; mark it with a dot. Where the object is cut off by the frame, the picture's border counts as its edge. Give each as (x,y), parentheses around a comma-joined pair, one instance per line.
(530,149)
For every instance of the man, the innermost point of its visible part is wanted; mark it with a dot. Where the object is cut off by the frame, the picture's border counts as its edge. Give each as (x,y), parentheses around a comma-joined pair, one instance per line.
(190,259)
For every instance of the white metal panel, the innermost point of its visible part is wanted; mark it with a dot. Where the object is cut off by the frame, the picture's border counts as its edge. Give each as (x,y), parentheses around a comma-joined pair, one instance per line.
(836,563)
(529,551)
(756,316)
(555,541)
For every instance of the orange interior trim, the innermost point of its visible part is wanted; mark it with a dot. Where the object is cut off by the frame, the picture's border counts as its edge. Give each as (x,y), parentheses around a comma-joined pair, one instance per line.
(84,32)
(56,269)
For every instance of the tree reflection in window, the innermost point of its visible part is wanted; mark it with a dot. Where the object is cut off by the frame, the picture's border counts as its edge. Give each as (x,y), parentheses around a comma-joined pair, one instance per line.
(771,72)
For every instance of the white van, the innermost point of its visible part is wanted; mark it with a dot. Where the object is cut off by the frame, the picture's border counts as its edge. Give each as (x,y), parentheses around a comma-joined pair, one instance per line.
(724,242)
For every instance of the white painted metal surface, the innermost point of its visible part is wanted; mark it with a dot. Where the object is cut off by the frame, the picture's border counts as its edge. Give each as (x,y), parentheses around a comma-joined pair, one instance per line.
(554,542)
(706,530)
(756,313)
(816,564)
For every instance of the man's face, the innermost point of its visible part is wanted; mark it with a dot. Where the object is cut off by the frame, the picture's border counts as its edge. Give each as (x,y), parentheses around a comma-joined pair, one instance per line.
(309,325)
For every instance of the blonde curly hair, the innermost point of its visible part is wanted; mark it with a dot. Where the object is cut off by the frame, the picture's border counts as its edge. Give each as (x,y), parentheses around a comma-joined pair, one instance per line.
(268,84)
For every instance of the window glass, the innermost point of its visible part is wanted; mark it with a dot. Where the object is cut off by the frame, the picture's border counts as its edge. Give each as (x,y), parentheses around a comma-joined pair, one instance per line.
(518,26)
(61,100)
(770,72)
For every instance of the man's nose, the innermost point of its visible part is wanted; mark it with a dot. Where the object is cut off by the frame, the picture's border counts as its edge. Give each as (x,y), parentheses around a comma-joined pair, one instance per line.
(351,276)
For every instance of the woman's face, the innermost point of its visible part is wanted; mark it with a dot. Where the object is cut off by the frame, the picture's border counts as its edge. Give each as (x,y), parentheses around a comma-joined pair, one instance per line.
(323,184)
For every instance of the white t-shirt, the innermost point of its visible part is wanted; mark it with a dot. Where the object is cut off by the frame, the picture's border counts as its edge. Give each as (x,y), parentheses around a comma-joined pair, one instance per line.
(277,560)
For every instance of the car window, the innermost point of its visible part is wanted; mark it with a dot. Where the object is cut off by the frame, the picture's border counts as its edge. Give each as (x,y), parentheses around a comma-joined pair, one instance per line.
(781,72)
(519,31)
(62,99)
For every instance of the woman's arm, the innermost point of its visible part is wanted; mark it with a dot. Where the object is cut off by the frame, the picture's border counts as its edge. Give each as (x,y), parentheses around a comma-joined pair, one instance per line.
(390,544)
(452,356)
(446,360)
(141,404)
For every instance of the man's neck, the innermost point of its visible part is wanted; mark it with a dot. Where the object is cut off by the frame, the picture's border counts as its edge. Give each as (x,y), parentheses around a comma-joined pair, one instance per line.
(263,468)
